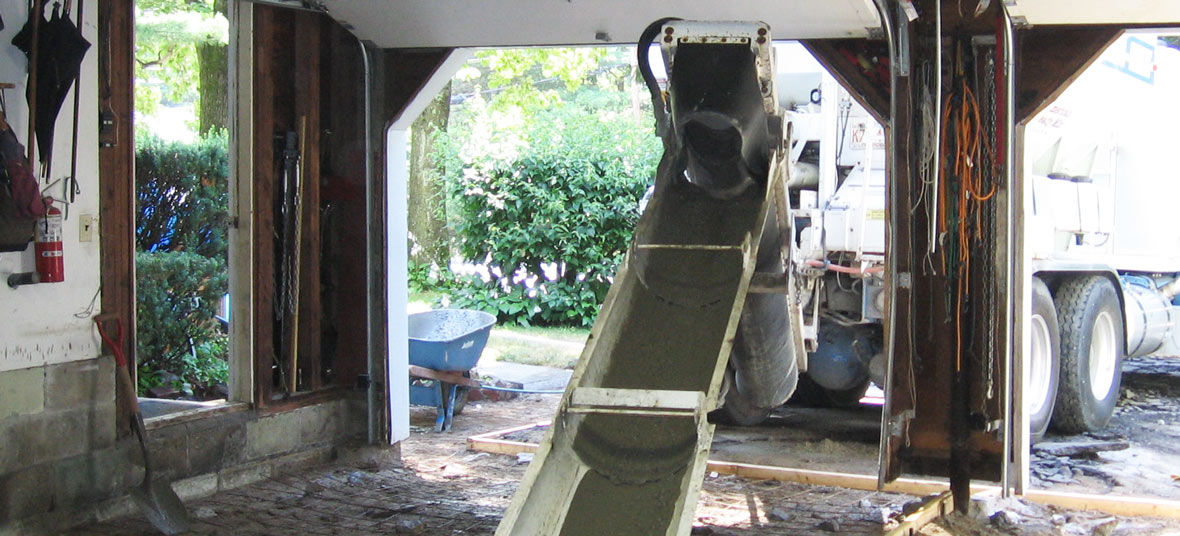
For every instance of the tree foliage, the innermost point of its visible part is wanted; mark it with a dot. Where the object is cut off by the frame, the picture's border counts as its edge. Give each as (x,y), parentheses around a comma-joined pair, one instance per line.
(500,93)
(545,170)
(181,196)
(427,214)
(167,34)
(533,77)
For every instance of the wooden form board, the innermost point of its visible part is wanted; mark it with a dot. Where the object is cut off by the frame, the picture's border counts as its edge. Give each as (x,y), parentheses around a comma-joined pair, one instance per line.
(493,442)
(935,507)
(342,196)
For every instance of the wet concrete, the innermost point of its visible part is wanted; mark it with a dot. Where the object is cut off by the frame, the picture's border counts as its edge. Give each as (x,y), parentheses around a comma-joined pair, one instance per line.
(605,507)
(666,331)
(668,319)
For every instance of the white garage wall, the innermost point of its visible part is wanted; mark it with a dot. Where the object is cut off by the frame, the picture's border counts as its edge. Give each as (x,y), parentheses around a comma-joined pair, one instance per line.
(44,324)
(397,228)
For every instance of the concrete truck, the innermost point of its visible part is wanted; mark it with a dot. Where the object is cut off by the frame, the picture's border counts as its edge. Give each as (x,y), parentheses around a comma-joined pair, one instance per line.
(1100,231)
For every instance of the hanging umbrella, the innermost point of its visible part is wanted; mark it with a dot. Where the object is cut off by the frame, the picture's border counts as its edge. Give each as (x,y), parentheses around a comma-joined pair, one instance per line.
(60,49)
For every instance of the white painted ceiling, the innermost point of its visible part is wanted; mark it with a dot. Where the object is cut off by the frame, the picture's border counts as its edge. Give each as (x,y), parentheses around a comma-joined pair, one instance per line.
(466,23)
(1164,12)
(480,23)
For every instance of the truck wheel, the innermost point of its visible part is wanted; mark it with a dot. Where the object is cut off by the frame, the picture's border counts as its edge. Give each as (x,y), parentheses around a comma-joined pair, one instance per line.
(762,372)
(813,394)
(1091,354)
(737,409)
(1042,364)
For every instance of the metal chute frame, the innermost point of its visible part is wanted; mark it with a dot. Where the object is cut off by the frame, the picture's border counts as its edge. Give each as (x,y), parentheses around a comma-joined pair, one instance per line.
(627,449)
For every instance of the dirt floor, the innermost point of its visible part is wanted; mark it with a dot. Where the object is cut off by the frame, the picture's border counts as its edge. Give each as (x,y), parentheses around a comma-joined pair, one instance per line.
(1146,421)
(442,487)
(1145,429)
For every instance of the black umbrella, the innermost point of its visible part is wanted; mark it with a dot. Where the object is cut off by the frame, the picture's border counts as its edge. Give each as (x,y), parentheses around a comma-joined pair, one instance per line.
(60,48)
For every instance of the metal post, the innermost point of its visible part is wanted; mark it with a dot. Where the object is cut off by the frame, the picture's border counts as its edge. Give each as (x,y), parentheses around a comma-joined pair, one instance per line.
(374,427)
(1016,437)
(891,274)
(932,244)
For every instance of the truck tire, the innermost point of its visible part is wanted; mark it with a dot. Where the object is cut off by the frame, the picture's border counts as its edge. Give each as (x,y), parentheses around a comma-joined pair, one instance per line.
(809,393)
(1043,362)
(736,409)
(762,372)
(1091,354)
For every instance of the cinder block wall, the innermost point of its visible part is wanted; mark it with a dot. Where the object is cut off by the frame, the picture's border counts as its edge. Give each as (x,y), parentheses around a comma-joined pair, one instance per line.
(61,464)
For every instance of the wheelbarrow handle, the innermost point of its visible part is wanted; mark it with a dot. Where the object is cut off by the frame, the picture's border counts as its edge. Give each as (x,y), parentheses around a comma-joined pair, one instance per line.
(448,376)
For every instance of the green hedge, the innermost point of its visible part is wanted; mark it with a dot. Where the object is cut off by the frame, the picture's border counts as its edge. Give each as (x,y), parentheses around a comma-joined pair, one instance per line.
(182,219)
(570,197)
(178,294)
(182,195)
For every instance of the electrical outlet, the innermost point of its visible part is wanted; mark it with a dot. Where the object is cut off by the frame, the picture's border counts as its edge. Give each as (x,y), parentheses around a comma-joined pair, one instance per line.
(86,228)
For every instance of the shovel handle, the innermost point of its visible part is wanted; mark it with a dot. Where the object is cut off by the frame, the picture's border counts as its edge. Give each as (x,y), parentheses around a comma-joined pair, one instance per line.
(124,389)
(115,344)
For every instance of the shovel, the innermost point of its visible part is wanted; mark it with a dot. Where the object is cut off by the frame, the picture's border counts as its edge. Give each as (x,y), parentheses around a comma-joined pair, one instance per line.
(155,498)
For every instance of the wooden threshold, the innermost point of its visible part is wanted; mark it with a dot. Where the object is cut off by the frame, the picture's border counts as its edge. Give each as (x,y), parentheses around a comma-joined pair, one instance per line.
(280,404)
(1116,505)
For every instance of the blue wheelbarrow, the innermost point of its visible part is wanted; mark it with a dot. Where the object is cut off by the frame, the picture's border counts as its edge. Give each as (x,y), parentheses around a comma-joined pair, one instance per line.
(445,344)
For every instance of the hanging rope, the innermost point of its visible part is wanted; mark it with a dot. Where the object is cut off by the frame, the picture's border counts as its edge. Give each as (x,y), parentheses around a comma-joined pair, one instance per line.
(964,188)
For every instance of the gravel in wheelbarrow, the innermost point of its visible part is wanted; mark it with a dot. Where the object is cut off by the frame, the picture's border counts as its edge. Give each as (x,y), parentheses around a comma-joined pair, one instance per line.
(448,340)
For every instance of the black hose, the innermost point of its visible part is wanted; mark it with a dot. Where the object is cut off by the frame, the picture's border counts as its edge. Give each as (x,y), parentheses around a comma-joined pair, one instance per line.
(653,88)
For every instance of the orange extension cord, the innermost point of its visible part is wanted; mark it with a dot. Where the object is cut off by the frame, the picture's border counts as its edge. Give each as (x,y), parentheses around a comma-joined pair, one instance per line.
(967,147)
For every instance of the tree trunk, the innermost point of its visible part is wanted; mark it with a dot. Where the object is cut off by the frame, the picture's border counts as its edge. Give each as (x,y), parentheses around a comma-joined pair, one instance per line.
(428,242)
(213,63)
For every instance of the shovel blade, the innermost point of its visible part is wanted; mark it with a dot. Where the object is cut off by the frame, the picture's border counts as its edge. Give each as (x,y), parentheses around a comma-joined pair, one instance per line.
(162,507)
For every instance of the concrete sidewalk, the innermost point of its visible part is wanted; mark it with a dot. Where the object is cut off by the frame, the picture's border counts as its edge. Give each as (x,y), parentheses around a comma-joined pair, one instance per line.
(528,377)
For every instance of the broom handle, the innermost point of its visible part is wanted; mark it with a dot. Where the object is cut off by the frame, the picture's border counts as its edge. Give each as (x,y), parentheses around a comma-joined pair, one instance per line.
(71,186)
(293,377)
(31,90)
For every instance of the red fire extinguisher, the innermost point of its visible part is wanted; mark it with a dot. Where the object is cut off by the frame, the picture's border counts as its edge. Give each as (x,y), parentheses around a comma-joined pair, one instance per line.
(47,247)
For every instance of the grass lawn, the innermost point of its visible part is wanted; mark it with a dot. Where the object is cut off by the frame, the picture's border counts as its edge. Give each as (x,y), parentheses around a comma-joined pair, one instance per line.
(547,347)
(422,300)
(557,347)
(565,334)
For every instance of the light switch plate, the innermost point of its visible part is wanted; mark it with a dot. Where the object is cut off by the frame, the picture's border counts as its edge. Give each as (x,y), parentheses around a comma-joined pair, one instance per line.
(86,228)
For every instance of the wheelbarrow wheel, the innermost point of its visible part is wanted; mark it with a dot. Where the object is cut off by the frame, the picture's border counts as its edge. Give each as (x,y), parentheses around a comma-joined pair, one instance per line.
(461,396)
